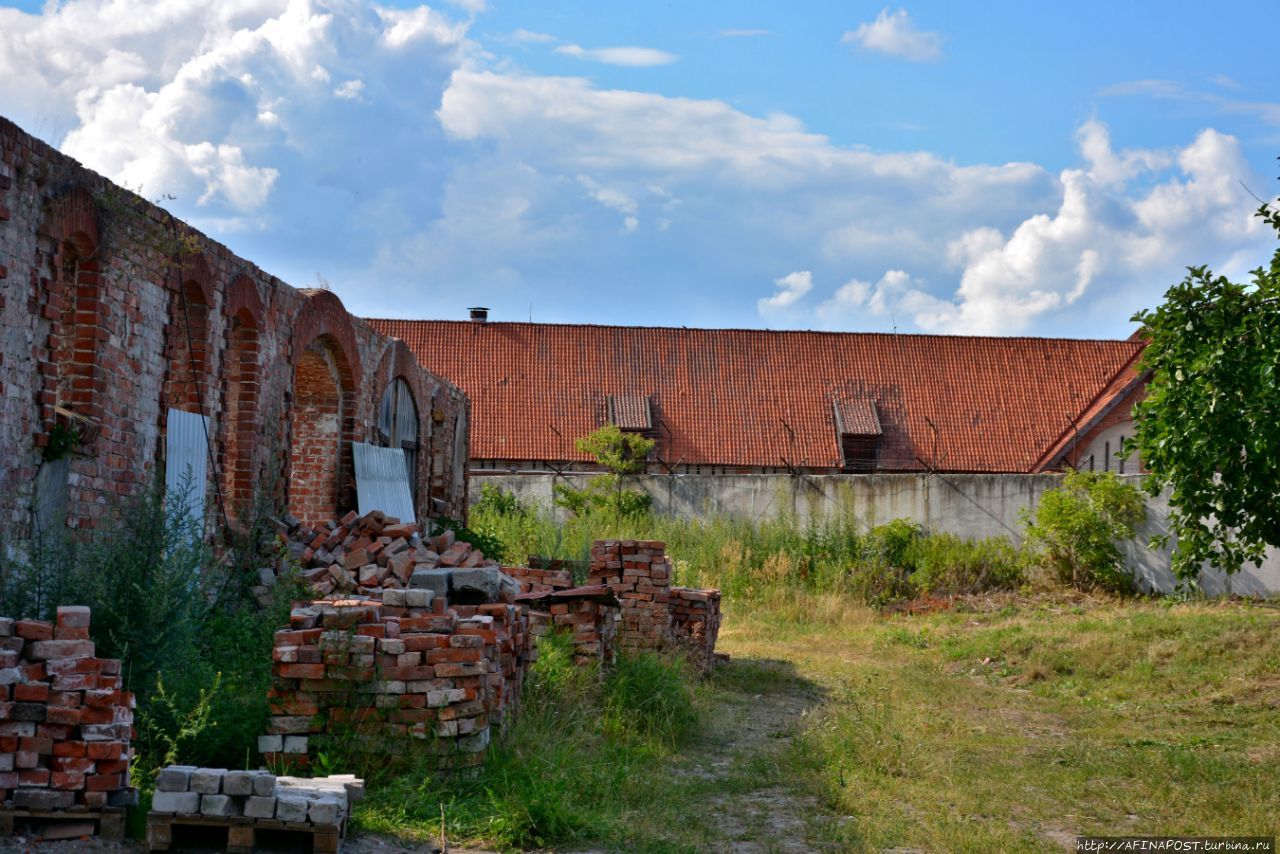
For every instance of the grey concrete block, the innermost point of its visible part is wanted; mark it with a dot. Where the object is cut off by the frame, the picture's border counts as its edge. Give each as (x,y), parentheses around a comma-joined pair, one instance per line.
(270,743)
(174,778)
(295,744)
(324,811)
(220,805)
(435,580)
(290,808)
(474,743)
(258,806)
(207,781)
(264,785)
(43,799)
(421,598)
(239,783)
(479,582)
(394,598)
(182,803)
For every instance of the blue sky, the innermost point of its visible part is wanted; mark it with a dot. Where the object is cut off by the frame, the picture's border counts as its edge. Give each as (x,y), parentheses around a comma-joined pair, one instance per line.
(994,168)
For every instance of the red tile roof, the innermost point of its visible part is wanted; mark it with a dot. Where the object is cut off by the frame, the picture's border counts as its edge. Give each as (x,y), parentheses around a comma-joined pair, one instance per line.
(760,398)
(857,417)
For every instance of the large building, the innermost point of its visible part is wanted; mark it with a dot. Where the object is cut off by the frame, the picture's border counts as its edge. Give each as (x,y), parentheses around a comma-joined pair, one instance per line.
(754,401)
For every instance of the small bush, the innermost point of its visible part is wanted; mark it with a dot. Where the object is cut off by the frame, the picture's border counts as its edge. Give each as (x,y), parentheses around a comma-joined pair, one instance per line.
(1076,528)
(948,565)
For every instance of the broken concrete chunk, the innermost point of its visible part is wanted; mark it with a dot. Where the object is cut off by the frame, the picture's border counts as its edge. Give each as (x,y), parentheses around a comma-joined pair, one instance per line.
(477,584)
(435,580)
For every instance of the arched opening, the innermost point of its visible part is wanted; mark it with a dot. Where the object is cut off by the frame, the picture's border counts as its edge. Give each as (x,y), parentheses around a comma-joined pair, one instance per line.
(398,428)
(80,333)
(317,421)
(240,408)
(188,348)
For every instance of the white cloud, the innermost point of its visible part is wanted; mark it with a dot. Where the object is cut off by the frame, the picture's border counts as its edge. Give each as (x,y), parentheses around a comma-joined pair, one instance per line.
(1171,90)
(895,34)
(523,36)
(613,199)
(350,90)
(633,57)
(791,289)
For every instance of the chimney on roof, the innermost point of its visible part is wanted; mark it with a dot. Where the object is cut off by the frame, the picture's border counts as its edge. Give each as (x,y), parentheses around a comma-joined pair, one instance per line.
(479,314)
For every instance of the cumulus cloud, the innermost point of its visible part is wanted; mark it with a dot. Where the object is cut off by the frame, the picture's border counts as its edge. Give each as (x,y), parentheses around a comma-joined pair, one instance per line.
(389,150)
(895,34)
(791,288)
(632,57)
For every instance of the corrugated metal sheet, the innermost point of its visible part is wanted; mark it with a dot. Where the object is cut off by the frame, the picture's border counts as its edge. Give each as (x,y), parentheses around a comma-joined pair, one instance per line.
(382,481)
(186,463)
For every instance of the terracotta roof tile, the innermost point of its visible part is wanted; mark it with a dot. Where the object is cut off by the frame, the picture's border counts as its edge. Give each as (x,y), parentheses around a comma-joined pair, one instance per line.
(758,398)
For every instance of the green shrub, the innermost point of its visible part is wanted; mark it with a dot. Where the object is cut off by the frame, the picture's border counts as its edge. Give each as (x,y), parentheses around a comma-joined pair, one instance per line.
(891,543)
(948,565)
(879,583)
(484,540)
(1076,528)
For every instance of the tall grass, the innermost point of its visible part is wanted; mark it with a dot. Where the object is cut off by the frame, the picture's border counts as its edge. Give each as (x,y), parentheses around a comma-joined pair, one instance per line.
(757,560)
(581,758)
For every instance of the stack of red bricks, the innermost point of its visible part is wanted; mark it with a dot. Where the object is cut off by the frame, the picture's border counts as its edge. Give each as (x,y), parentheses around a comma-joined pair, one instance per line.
(656,615)
(695,623)
(359,668)
(639,574)
(370,553)
(592,619)
(65,722)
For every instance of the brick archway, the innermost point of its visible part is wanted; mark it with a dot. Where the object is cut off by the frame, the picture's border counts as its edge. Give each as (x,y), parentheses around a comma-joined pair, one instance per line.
(73,377)
(186,379)
(399,364)
(240,394)
(322,417)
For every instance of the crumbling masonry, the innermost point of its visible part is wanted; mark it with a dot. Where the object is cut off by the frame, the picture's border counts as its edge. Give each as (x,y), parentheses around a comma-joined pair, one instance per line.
(112,313)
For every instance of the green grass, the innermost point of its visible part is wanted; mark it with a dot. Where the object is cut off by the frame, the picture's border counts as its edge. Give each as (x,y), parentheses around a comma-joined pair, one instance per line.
(1011,721)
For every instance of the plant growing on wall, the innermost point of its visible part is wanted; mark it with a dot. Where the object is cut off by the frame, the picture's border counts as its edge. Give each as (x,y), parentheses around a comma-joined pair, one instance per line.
(623,454)
(1209,428)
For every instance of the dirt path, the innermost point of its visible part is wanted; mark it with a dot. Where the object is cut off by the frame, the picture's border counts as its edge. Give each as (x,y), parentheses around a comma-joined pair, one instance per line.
(749,806)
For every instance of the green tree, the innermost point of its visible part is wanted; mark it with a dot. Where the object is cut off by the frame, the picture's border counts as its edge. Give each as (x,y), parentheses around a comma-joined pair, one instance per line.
(1209,428)
(1077,526)
(623,454)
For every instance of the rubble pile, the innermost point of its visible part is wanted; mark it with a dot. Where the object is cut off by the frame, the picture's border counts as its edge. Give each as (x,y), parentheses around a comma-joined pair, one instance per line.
(405,667)
(370,553)
(219,793)
(65,722)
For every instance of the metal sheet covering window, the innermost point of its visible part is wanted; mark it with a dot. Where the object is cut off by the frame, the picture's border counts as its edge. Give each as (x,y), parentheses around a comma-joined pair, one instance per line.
(398,428)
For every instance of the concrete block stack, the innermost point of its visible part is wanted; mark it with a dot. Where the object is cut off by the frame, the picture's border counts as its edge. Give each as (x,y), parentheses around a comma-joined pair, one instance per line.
(386,674)
(695,623)
(185,790)
(639,574)
(65,721)
(368,554)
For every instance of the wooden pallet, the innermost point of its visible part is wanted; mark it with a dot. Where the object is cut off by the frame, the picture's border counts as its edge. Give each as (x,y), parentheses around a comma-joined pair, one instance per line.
(242,832)
(107,823)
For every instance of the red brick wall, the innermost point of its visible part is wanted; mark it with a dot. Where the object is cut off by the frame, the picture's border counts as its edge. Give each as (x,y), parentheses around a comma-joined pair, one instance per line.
(98,292)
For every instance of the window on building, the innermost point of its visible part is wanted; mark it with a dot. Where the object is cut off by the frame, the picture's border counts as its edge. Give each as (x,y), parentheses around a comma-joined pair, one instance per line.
(859,433)
(398,428)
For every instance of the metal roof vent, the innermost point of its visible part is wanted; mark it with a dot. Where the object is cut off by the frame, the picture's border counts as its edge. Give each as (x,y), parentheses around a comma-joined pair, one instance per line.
(479,314)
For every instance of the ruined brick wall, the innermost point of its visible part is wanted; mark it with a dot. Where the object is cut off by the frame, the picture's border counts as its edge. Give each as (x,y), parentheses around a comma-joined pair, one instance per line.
(112,312)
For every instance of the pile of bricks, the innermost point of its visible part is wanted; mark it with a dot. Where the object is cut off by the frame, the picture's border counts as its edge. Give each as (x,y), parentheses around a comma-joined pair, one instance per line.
(639,574)
(539,579)
(695,623)
(370,553)
(65,722)
(217,792)
(592,614)
(381,673)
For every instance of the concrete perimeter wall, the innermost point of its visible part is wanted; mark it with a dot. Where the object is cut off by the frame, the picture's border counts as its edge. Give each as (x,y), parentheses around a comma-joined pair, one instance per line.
(969,505)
